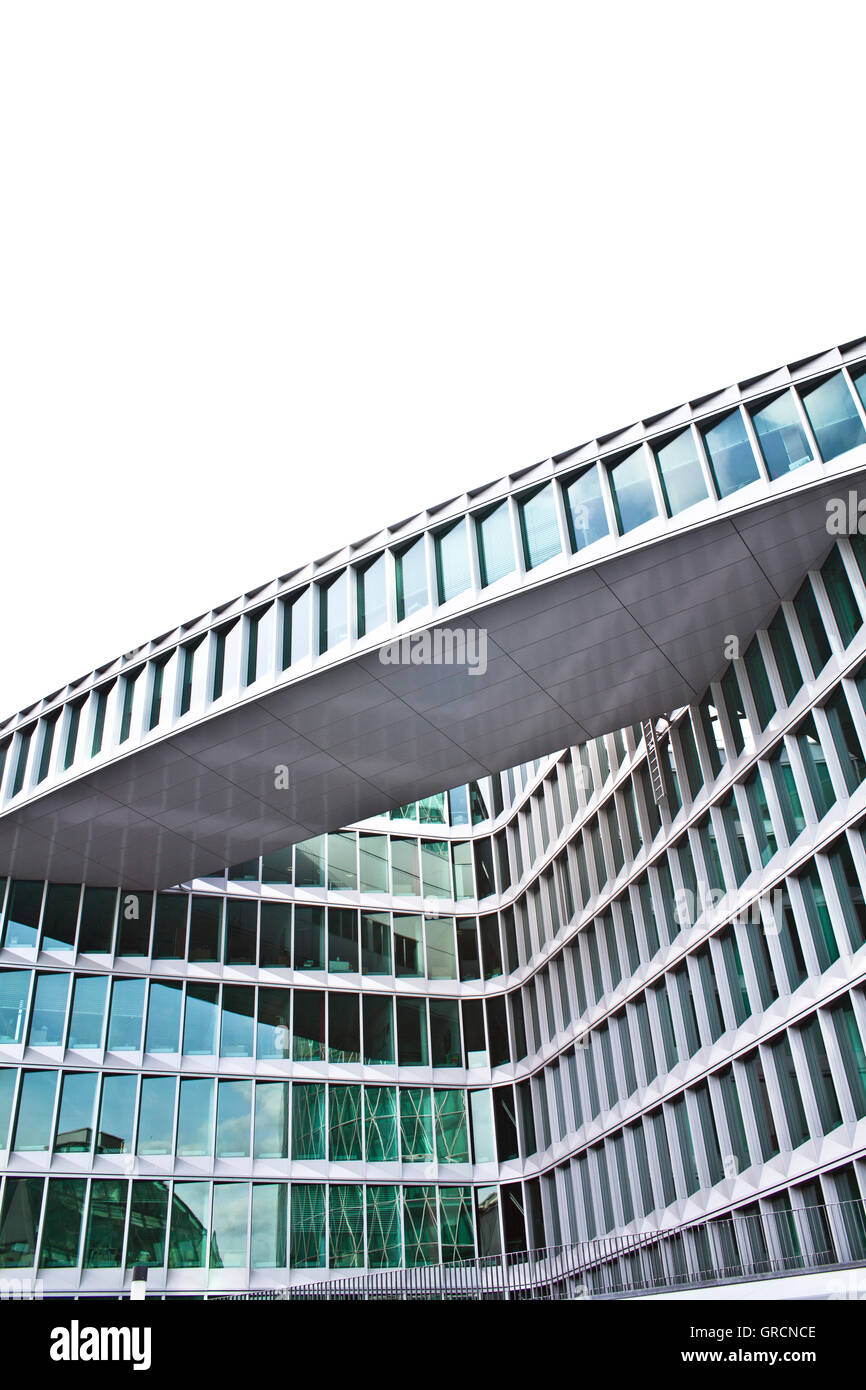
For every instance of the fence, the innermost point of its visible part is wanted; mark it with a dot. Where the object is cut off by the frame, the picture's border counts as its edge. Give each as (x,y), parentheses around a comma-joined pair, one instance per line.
(737,1246)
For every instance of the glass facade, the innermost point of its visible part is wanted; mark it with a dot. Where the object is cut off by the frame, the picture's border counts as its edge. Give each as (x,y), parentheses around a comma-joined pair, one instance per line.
(253,1121)
(549,1005)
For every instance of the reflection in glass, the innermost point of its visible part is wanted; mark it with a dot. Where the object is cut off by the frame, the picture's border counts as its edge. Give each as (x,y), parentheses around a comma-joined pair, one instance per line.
(587,518)
(632,489)
(35,1111)
(781,436)
(833,416)
(190,1203)
(731,458)
(679,468)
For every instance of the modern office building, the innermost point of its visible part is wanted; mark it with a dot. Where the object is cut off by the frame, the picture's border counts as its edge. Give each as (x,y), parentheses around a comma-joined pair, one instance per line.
(604,995)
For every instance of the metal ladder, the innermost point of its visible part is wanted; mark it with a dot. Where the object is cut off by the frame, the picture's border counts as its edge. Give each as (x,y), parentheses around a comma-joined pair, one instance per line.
(652,754)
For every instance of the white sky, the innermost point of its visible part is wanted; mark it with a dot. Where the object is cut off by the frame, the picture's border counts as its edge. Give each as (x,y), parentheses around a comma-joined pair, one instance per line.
(275,275)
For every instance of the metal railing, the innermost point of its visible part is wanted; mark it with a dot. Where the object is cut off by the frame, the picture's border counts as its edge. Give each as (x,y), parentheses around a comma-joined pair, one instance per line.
(718,1250)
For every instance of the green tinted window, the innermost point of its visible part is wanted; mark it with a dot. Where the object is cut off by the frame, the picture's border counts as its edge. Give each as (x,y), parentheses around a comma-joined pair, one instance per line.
(344,1122)
(420,1226)
(841,596)
(307,1226)
(190,1205)
(308,1121)
(786,661)
(105,1221)
(148,1214)
(383,1227)
(812,626)
(416,1125)
(61,1224)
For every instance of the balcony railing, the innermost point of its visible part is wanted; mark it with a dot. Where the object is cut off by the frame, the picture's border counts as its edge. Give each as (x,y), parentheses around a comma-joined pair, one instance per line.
(721,1250)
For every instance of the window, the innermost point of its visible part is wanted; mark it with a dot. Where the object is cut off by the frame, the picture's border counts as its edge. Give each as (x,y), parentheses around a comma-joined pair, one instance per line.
(786,661)
(163,1016)
(818,914)
(49,727)
(733,700)
(821,1077)
(538,526)
(412,593)
(731,457)
(187,665)
(60,916)
(333,612)
(815,764)
(72,725)
(712,730)
(236,1035)
(100,706)
(633,495)
(24,739)
(495,546)
(764,1119)
(310,863)
(376,943)
(88,1011)
(342,870)
(33,1125)
(254,625)
(761,819)
(202,1019)
(128,688)
(841,596)
(405,877)
(833,416)
(585,510)
(452,560)
(681,475)
(371,598)
(225,640)
(850,891)
(735,837)
(845,738)
(373,859)
(781,435)
(297,627)
(852,1052)
(762,695)
(786,790)
(441,948)
(195,1117)
(309,951)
